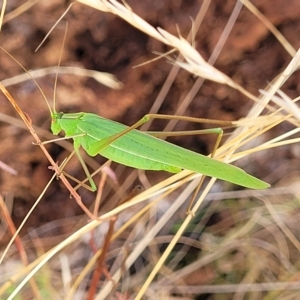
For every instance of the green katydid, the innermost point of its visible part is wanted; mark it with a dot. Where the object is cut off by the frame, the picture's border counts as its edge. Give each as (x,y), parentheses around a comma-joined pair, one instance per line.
(131,147)
(137,149)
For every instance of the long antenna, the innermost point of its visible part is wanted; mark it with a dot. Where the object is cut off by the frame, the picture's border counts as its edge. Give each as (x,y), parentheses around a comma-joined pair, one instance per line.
(60,18)
(27,72)
(58,65)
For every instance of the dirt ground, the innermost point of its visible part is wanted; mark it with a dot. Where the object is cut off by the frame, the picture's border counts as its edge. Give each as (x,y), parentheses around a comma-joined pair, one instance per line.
(100,41)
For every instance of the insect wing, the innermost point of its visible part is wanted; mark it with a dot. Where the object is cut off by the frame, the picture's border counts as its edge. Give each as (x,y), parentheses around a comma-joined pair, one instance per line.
(140,150)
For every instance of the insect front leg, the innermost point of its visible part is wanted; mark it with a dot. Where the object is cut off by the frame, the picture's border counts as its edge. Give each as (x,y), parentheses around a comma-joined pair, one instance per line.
(77,144)
(84,166)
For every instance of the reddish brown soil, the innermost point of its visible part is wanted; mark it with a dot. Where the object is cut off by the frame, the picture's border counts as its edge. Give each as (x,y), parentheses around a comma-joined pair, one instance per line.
(104,42)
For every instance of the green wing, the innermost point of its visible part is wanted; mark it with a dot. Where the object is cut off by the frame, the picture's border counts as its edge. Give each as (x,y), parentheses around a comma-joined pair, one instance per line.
(140,150)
